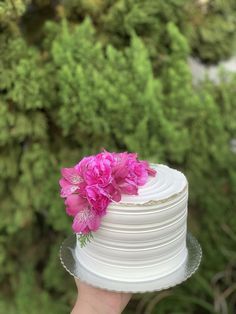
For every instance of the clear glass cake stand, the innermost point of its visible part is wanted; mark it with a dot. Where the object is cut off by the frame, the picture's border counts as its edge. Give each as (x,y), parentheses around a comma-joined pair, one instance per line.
(188,268)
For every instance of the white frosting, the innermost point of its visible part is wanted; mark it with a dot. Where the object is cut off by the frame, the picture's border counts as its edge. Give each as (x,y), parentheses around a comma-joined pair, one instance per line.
(142,237)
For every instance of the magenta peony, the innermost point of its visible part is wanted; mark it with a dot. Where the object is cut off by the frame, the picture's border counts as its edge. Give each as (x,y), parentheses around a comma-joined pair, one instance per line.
(98,198)
(96,181)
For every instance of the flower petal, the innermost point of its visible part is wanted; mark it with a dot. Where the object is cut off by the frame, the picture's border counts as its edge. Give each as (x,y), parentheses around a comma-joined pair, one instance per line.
(94,223)
(114,191)
(116,196)
(79,225)
(71,175)
(71,211)
(76,202)
(129,188)
(86,220)
(151,171)
(67,188)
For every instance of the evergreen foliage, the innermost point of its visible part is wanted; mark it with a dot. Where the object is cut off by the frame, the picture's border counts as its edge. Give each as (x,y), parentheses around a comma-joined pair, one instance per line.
(83,89)
(209,25)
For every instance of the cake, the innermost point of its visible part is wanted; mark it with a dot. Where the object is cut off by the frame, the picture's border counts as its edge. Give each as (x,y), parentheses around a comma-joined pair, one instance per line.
(142,237)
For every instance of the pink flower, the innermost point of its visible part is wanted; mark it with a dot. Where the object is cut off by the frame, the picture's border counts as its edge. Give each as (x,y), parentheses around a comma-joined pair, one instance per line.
(129,187)
(129,173)
(99,170)
(150,170)
(82,166)
(67,188)
(98,198)
(120,169)
(71,175)
(137,172)
(70,182)
(96,181)
(71,211)
(86,220)
(75,203)
(114,191)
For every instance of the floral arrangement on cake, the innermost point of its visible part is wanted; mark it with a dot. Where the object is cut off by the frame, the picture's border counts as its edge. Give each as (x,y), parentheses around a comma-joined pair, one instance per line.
(96,181)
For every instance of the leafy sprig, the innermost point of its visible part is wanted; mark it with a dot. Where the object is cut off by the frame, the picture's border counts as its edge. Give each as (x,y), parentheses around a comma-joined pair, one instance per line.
(85,238)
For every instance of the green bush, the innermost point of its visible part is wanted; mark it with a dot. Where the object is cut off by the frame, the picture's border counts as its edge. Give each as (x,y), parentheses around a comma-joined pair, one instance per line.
(74,94)
(208,25)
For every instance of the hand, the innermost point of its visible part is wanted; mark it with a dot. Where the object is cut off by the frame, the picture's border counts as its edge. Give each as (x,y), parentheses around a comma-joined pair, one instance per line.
(93,300)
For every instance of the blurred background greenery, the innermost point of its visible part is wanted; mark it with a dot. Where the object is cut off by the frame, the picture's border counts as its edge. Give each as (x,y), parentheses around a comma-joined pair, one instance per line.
(80,75)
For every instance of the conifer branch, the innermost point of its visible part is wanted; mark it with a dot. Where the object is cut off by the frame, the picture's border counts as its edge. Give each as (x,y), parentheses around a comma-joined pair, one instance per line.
(85,238)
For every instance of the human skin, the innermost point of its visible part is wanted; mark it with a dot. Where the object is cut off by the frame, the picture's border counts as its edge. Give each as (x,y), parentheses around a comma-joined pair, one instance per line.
(93,300)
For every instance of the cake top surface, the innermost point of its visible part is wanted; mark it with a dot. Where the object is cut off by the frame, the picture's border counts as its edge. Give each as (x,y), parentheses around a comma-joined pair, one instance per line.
(165,184)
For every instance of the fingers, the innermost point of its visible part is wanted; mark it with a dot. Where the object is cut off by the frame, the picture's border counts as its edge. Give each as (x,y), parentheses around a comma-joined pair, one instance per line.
(125,298)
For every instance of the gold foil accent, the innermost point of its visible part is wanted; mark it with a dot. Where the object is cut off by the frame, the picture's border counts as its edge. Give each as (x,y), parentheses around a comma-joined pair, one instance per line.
(151,202)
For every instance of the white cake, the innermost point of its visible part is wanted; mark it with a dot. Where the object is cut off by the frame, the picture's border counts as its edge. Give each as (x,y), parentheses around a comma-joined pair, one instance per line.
(142,237)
